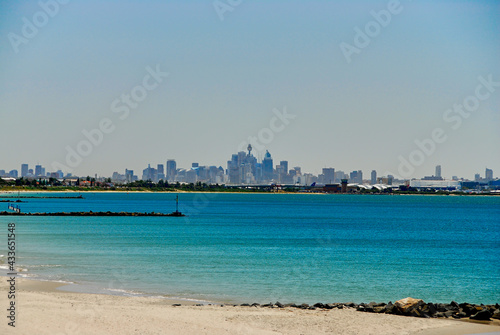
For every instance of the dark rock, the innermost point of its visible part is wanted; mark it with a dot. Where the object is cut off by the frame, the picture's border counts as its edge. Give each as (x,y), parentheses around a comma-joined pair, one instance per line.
(319,305)
(268,305)
(176,305)
(279,304)
(361,308)
(441,308)
(304,306)
(350,304)
(340,306)
(482,315)
(289,305)
(389,308)
(312,307)
(379,309)
(255,304)
(496,314)
(329,306)
(454,305)
(245,305)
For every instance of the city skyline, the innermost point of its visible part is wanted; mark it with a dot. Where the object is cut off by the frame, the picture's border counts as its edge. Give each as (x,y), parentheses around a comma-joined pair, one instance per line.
(169,170)
(396,87)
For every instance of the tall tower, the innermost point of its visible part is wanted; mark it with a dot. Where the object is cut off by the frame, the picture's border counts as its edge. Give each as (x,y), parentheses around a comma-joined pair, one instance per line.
(438,171)
(374,177)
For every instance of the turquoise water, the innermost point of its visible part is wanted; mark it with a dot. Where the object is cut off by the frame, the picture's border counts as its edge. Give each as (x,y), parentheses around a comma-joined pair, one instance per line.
(269,247)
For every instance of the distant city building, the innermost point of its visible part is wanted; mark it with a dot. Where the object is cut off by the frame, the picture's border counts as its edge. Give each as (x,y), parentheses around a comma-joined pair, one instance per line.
(488,174)
(160,172)
(129,175)
(477,177)
(38,170)
(339,175)
(171,169)
(267,167)
(438,171)
(373,179)
(356,177)
(13,173)
(149,173)
(24,170)
(328,175)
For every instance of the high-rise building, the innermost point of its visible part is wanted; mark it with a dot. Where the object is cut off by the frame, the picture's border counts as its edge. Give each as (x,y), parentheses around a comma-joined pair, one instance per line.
(38,170)
(267,167)
(171,169)
(356,177)
(129,175)
(13,173)
(284,166)
(328,175)
(373,177)
(149,173)
(477,177)
(488,174)
(24,170)
(160,172)
(438,171)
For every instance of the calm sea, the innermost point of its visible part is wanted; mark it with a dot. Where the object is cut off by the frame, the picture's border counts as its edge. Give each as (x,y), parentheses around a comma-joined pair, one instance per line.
(268,247)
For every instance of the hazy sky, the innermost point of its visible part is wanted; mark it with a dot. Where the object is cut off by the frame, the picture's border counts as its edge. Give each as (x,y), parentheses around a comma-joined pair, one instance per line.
(362,91)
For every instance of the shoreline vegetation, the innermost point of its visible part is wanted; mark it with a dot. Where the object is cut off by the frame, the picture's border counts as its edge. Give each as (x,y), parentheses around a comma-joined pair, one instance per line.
(204,188)
(48,309)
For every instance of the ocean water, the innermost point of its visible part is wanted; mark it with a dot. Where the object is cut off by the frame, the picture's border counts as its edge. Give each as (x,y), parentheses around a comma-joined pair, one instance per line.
(268,247)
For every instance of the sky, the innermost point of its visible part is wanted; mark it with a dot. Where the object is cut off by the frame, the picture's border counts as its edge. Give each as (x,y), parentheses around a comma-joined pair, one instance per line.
(94,87)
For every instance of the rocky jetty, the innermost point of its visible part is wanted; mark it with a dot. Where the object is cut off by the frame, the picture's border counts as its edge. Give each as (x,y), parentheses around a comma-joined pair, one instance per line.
(92,214)
(405,307)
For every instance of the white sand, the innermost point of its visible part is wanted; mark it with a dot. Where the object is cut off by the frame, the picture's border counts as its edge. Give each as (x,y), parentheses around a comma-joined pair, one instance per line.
(41,309)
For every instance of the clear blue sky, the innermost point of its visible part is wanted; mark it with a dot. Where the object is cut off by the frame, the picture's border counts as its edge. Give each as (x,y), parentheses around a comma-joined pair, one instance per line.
(226,77)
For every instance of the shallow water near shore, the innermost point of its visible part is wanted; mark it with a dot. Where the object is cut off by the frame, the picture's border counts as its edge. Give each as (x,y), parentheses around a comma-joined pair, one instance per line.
(268,247)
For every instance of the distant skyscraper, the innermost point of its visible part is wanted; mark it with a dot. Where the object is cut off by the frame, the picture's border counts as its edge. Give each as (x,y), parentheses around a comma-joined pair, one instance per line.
(129,175)
(38,170)
(356,177)
(13,173)
(160,172)
(284,166)
(24,170)
(488,174)
(438,171)
(267,167)
(171,169)
(477,177)
(328,175)
(374,177)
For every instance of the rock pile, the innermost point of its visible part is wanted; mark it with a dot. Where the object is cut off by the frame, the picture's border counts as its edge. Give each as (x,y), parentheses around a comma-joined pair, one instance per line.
(407,307)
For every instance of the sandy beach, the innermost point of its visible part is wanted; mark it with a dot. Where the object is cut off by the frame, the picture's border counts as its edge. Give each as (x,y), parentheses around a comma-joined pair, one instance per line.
(43,309)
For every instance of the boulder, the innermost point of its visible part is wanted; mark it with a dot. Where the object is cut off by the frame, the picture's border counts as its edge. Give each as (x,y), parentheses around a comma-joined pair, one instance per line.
(407,304)
(279,304)
(496,314)
(482,315)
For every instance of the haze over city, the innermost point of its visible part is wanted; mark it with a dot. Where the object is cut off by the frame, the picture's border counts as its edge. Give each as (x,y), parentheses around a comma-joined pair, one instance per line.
(365,84)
